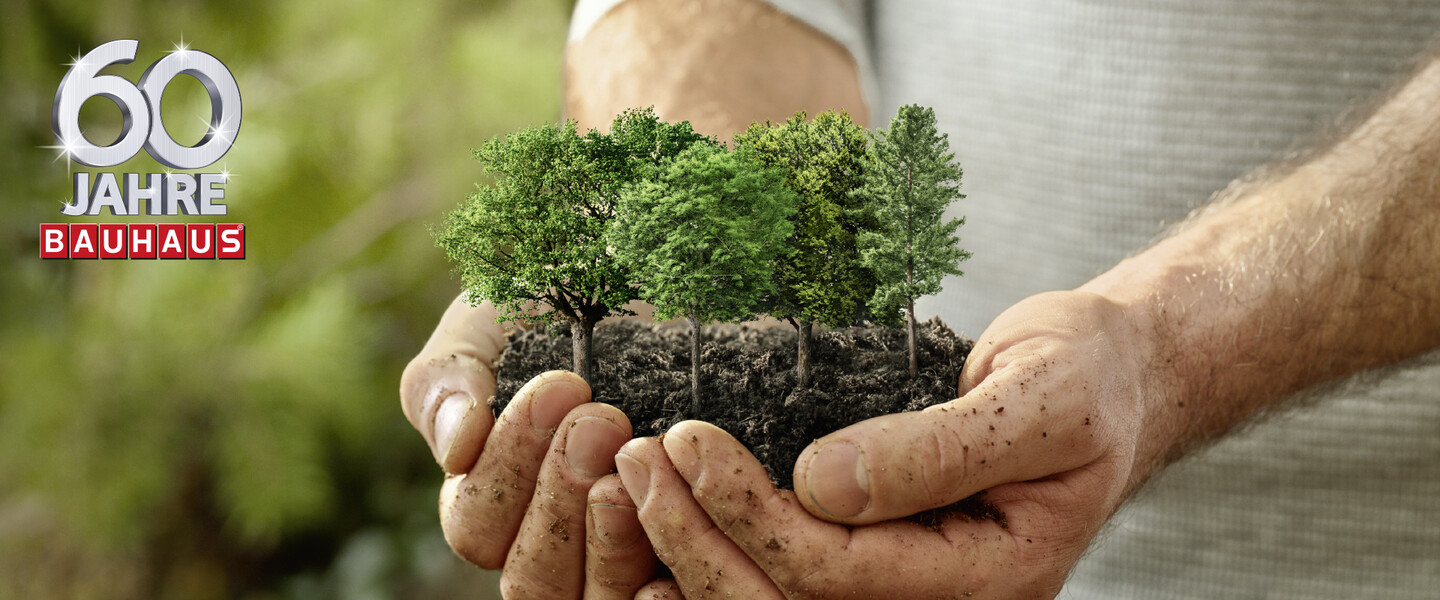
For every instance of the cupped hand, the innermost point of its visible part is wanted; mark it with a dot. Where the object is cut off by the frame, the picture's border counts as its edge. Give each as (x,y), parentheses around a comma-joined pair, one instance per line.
(525,491)
(1050,425)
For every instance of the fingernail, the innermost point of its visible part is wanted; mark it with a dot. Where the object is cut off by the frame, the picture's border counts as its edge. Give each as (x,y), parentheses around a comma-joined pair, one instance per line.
(683,454)
(448,416)
(618,527)
(635,477)
(551,401)
(591,444)
(838,481)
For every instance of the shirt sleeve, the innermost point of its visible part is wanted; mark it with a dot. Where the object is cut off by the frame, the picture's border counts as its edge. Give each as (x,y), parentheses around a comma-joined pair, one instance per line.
(845,21)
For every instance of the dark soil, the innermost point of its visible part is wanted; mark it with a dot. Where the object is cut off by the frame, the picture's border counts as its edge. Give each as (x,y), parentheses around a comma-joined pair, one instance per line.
(644,370)
(857,373)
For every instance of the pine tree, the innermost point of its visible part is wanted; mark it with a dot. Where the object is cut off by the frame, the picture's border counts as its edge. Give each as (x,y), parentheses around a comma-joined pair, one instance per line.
(910,179)
(702,237)
(532,243)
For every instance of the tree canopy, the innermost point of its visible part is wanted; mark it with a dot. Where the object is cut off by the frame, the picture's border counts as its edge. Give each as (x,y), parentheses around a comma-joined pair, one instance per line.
(532,242)
(702,238)
(910,180)
(823,280)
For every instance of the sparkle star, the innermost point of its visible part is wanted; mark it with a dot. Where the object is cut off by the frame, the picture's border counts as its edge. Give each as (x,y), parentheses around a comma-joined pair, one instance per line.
(217,129)
(181,48)
(66,149)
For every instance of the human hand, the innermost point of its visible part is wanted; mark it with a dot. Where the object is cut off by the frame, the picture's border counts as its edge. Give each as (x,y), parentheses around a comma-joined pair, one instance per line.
(1050,424)
(521,491)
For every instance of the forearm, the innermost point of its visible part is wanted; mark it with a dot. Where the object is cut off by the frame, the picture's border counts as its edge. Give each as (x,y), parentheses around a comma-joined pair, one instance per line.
(1327,270)
(718,64)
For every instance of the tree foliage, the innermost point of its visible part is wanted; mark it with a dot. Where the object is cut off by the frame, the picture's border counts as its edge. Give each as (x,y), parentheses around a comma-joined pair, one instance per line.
(823,280)
(910,180)
(532,243)
(701,238)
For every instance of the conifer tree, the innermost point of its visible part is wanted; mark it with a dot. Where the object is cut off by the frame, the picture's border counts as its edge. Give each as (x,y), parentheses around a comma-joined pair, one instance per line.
(910,179)
(702,237)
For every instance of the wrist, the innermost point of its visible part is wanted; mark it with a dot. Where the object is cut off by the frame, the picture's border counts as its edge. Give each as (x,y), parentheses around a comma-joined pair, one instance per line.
(1152,335)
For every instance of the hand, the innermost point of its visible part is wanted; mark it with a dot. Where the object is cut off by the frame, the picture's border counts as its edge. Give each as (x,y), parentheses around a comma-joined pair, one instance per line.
(1050,424)
(522,491)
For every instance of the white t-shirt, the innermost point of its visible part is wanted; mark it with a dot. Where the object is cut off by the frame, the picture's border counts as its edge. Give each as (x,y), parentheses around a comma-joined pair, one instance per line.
(1084,128)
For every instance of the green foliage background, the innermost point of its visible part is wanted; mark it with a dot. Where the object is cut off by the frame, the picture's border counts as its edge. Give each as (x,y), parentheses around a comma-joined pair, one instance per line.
(231,429)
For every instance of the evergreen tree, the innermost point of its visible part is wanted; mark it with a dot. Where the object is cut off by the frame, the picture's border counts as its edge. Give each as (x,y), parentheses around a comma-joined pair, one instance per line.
(823,281)
(702,237)
(910,179)
(532,243)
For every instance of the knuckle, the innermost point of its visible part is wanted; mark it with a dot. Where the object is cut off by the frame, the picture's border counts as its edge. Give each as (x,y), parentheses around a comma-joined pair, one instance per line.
(521,584)
(813,582)
(477,547)
(617,573)
(943,468)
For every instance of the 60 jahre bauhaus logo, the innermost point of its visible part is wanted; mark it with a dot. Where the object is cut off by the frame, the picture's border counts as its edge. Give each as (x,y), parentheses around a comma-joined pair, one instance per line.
(154,194)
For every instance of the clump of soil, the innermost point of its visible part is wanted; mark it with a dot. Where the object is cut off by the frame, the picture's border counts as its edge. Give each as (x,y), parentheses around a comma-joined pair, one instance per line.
(748,378)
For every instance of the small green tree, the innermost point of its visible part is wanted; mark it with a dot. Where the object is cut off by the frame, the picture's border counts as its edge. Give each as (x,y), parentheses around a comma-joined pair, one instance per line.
(823,281)
(532,243)
(702,237)
(910,179)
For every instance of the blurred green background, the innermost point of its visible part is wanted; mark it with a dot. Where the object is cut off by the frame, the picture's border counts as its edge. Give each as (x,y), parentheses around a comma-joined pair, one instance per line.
(231,429)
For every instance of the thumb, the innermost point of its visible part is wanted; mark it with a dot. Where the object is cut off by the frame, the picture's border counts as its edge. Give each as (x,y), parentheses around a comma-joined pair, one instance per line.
(446,388)
(898,465)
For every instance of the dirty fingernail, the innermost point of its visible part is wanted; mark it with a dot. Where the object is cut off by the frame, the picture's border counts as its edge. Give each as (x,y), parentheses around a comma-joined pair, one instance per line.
(591,445)
(617,527)
(550,401)
(635,477)
(448,416)
(838,481)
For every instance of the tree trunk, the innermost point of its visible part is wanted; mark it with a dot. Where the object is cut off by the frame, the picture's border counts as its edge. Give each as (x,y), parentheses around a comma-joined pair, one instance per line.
(802,361)
(694,366)
(581,332)
(910,336)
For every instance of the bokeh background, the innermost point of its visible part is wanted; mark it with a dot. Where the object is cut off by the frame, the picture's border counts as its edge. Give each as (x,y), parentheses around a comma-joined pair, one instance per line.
(231,429)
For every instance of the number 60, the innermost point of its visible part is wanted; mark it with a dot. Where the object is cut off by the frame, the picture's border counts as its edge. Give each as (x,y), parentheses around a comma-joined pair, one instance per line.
(143,127)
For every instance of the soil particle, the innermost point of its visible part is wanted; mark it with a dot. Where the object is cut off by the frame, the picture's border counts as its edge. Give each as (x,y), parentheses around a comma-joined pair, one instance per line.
(560,529)
(748,378)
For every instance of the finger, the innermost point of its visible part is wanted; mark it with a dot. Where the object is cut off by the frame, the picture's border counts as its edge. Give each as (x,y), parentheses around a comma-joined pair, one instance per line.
(446,388)
(481,510)
(898,465)
(618,558)
(660,589)
(807,557)
(735,491)
(547,559)
(706,564)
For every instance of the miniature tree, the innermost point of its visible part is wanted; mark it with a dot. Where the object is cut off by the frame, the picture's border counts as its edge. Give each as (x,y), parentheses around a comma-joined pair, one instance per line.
(823,280)
(702,237)
(910,180)
(532,243)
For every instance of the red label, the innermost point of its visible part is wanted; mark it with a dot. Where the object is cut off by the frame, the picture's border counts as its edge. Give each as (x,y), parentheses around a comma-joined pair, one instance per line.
(84,238)
(112,240)
(119,241)
(54,240)
(231,240)
(200,241)
(144,241)
(171,240)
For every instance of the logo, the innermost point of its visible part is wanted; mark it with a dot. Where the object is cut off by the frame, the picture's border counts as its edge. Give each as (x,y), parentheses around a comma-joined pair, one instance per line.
(128,194)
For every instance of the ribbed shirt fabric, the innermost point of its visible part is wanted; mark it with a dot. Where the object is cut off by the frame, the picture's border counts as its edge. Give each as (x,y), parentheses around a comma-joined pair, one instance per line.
(1084,129)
